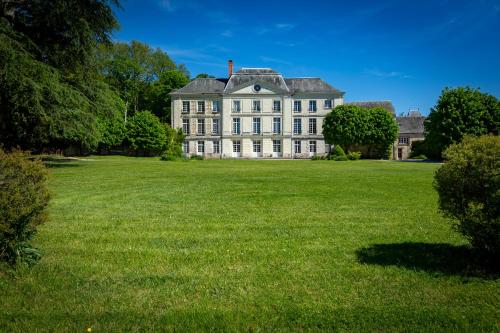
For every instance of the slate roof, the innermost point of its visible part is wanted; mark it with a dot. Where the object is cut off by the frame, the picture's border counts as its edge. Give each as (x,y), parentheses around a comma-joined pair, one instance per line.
(375,104)
(411,124)
(262,75)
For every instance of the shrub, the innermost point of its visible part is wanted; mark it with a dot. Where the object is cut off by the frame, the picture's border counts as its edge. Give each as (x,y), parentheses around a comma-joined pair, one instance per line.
(318,157)
(338,151)
(197,157)
(146,134)
(468,184)
(340,158)
(354,155)
(419,157)
(173,147)
(23,198)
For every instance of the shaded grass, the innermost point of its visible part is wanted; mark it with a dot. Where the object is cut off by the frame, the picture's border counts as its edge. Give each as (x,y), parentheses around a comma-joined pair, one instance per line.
(135,244)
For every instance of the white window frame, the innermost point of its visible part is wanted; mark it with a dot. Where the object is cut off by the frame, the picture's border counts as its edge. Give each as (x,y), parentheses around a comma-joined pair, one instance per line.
(297,126)
(313,126)
(216,147)
(276,146)
(236,106)
(313,105)
(186,106)
(256,105)
(201,107)
(216,106)
(201,126)
(256,125)
(236,146)
(200,144)
(257,146)
(404,140)
(329,101)
(185,126)
(237,126)
(185,147)
(215,126)
(277,120)
(276,105)
(313,143)
(297,147)
(297,106)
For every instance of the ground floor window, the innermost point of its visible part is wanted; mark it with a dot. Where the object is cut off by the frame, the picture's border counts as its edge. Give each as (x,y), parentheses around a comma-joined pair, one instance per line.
(276,146)
(201,147)
(216,147)
(185,147)
(257,146)
(296,147)
(312,146)
(237,146)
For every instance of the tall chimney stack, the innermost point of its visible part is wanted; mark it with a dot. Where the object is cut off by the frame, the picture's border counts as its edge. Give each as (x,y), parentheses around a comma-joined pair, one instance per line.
(230,67)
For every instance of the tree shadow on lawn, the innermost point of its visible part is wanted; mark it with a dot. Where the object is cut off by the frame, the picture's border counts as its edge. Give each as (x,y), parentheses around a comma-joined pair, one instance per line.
(441,258)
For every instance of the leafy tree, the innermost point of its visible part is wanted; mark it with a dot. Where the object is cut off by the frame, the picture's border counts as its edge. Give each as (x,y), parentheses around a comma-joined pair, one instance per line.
(204,76)
(24,196)
(460,112)
(173,149)
(468,184)
(146,134)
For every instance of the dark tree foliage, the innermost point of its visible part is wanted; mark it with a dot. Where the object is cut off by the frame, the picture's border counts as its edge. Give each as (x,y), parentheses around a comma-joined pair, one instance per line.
(23,197)
(468,185)
(459,112)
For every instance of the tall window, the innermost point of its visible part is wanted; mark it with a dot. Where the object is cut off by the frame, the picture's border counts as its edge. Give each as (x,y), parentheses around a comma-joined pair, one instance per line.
(255,106)
(185,107)
(216,146)
(312,106)
(215,126)
(297,106)
(236,126)
(237,146)
(297,126)
(256,125)
(201,126)
(296,146)
(216,106)
(185,147)
(201,106)
(312,126)
(276,106)
(312,146)
(403,140)
(236,106)
(276,125)
(257,146)
(276,146)
(185,126)
(201,147)
(328,104)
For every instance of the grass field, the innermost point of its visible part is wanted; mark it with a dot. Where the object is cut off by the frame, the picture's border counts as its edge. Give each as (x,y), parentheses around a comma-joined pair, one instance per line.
(137,245)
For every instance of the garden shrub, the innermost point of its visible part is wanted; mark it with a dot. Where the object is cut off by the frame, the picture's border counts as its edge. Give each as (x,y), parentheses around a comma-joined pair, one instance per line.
(468,184)
(197,157)
(340,158)
(318,157)
(173,147)
(23,198)
(338,151)
(146,134)
(354,155)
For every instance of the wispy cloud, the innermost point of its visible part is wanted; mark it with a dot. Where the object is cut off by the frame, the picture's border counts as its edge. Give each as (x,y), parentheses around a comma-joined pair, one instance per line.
(275,28)
(168,5)
(275,60)
(386,74)
(227,33)
(284,26)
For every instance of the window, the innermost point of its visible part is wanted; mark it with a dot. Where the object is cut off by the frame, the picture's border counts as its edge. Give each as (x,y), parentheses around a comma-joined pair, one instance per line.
(276,106)
(236,106)
(296,147)
(185,147)
(297,106)
(216,106)
(216,147)
(201,126)
(312,146)
(215,126)
(185,126)
(403,140)
(256,125)
(201,106)
(297,126)
(276,125)
(201,147)
(237,146)
(328,104)
(312,126)
(185,107)
(312,106)
(276,146)
(255,106)
(257,146)
(236,126)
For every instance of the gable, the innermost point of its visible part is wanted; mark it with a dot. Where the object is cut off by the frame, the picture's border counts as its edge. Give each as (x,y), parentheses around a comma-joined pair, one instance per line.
(266,88)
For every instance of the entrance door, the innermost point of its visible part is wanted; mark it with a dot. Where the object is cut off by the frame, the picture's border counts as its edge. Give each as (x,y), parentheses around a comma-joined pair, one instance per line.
(400,153)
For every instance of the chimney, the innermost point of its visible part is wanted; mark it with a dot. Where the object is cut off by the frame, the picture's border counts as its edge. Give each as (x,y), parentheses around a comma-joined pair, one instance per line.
(230,67)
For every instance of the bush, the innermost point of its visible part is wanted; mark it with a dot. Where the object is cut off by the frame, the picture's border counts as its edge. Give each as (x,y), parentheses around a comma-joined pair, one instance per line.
(419,157)
(146,134)
(340,158)
(354,155)
(338,151)
(23,198)
(197,157)
(318,158)
(468,184)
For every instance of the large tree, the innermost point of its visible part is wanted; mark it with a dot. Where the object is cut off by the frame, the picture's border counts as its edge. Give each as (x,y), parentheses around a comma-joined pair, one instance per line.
(459,112)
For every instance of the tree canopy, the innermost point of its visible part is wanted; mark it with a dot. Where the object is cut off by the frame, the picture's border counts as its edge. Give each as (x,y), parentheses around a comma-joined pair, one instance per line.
(459,112)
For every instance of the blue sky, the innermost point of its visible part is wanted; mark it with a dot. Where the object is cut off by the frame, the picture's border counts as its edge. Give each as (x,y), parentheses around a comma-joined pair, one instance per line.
(404,51)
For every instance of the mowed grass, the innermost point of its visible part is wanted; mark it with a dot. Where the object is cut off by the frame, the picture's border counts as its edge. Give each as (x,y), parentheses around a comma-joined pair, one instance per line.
(137,245)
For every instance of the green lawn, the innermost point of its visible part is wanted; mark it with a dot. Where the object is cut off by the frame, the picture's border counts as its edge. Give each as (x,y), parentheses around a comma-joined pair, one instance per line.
(136,244)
